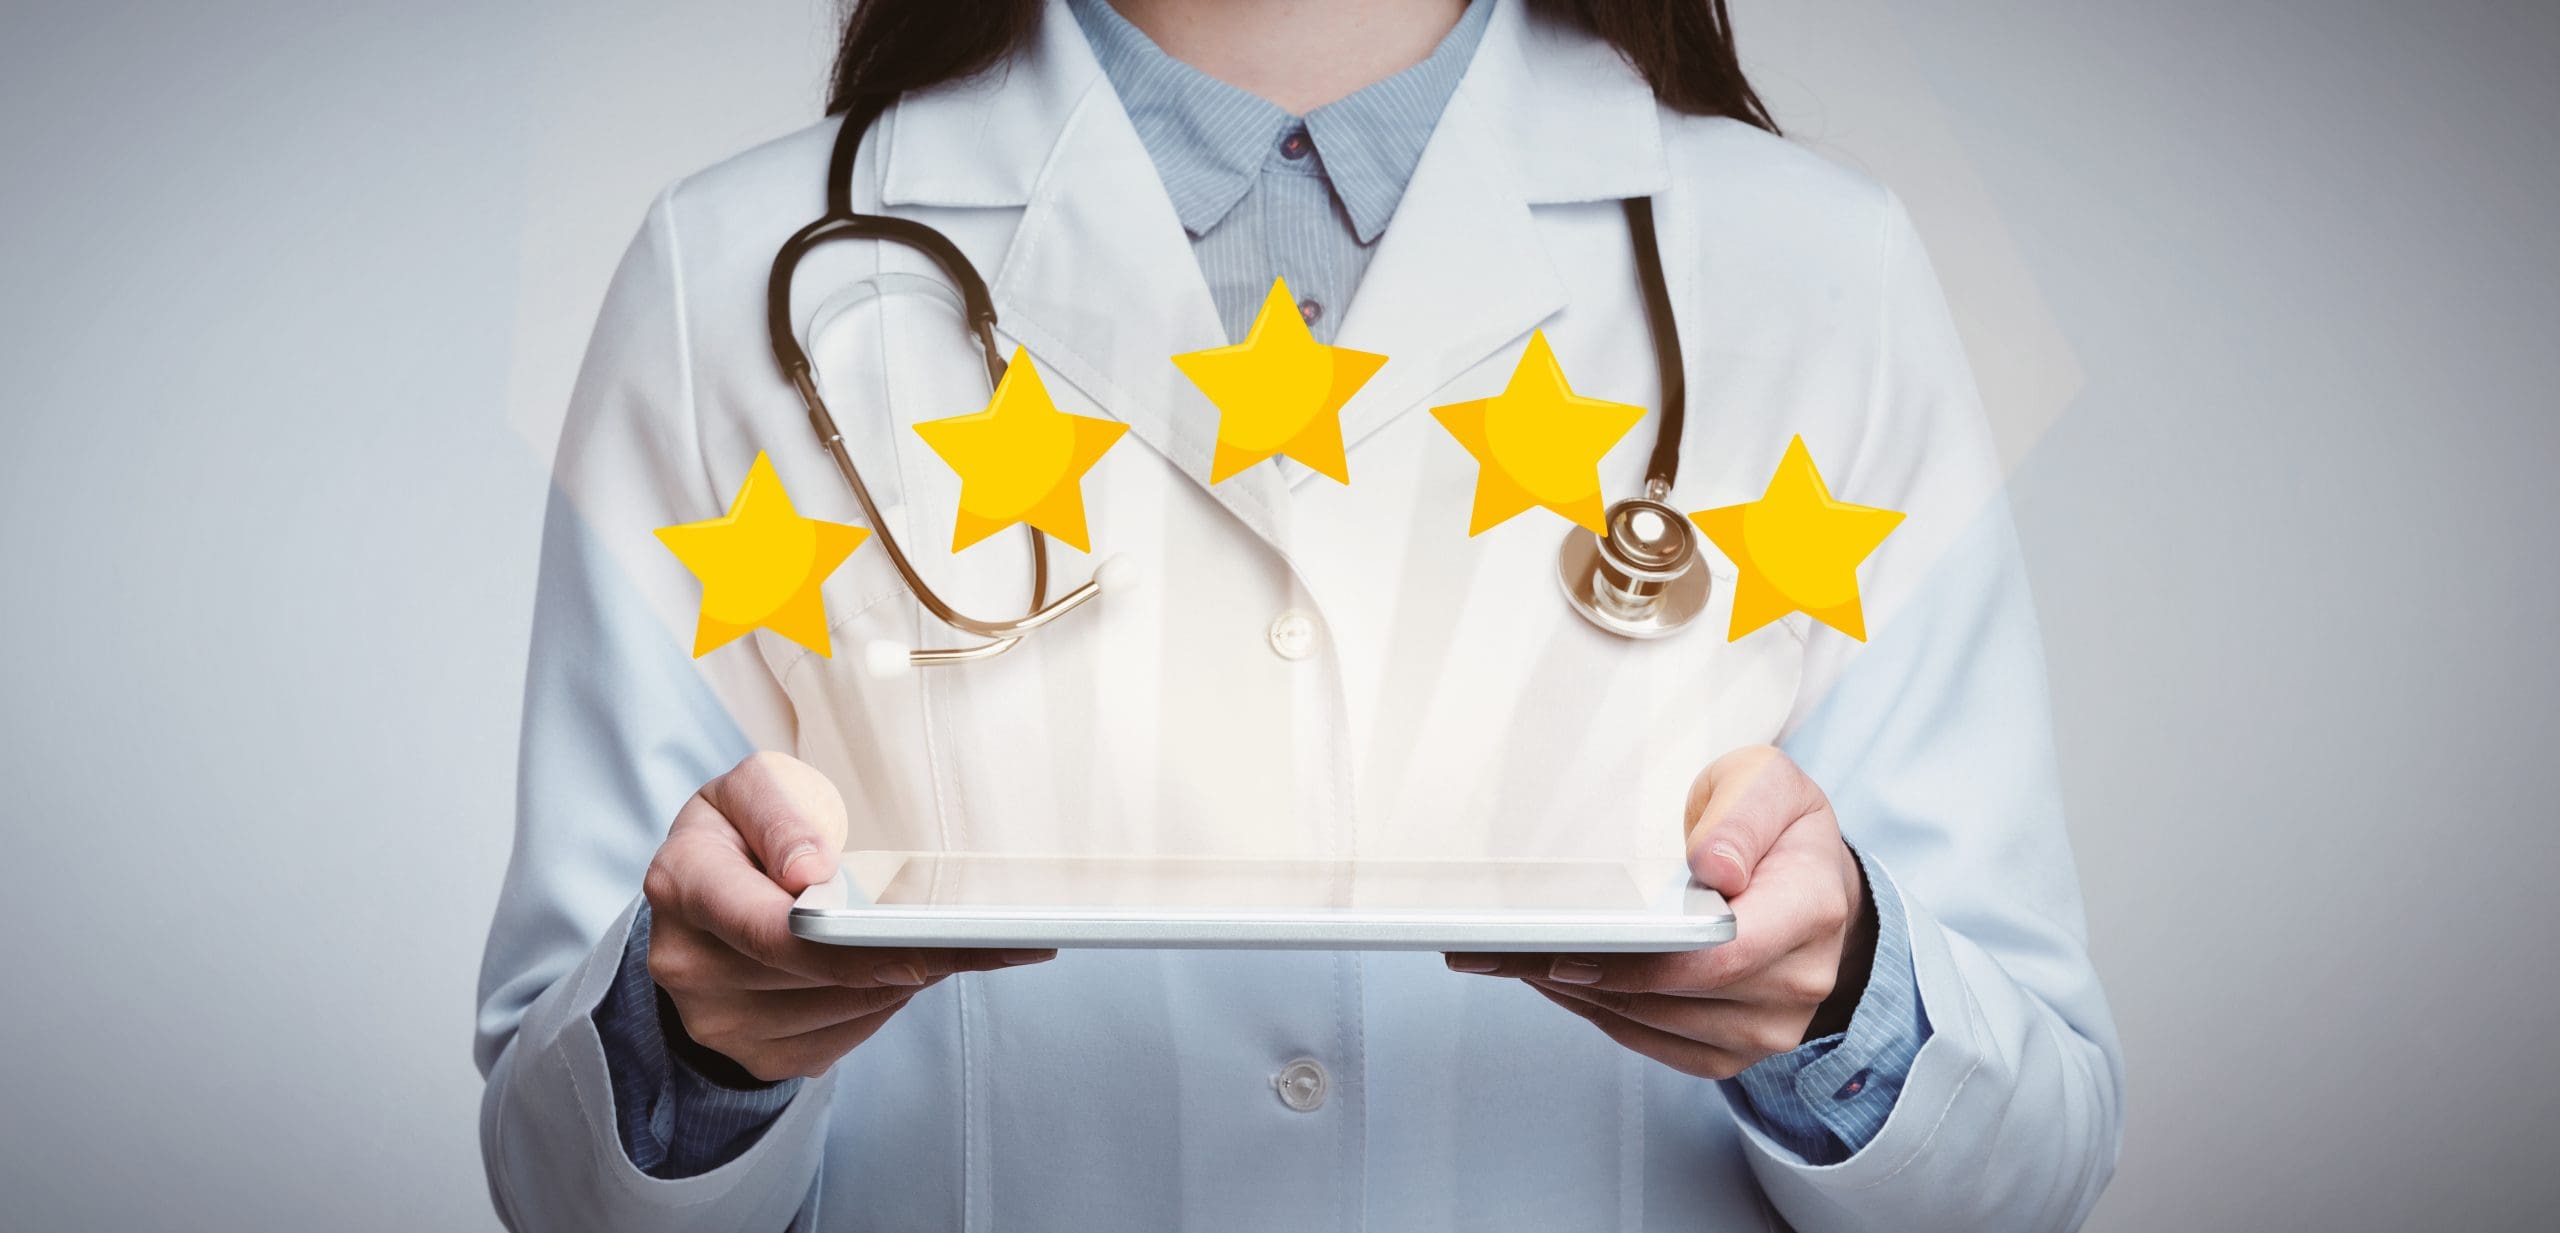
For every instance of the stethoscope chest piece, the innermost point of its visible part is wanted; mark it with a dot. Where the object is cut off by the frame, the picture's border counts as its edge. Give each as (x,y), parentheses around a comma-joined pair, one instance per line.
(1642,580)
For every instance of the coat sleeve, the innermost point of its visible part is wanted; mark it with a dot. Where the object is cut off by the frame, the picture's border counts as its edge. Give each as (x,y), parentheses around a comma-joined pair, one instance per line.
(621,725)
(1935,743)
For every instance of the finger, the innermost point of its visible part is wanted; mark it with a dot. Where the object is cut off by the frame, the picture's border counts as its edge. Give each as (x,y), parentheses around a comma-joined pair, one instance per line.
(997,960)
(1678,1053)
(1738,807)
(1801,977)
(863,967)
(891,966)
(791,818)
(1678,972)
(810,1054)
(743,1021)
(1739,1029)
(684,958)
(1692,973)
(1789,912)
(859,967)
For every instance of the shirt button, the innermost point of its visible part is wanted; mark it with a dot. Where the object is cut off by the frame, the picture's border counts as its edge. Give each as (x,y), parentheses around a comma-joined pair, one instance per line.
(1295,144)
(1857,1083)
(1309,310)
(1293,635)
(1302,1085)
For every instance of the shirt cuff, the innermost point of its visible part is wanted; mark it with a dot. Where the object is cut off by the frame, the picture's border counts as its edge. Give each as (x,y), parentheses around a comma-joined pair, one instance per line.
(679,1109)
(1827,1098)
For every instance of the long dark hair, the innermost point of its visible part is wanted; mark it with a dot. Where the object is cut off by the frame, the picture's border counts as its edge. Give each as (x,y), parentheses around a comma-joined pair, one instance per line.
(1684,48)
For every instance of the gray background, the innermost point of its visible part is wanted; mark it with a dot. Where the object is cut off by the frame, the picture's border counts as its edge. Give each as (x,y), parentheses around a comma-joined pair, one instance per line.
(2265,298)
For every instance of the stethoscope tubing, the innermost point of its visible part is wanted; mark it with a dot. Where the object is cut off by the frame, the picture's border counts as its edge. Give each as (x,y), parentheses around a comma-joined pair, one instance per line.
(1662,467)
(841,222)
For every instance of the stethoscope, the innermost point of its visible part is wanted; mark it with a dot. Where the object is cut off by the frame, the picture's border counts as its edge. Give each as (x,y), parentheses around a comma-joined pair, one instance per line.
(1643,579)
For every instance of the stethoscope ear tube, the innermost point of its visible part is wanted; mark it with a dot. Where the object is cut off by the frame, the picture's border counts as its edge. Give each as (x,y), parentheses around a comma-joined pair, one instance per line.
(976,305)
(842,223)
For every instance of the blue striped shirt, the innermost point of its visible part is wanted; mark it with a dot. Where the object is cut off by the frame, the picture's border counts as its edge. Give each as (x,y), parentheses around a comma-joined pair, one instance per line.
(1266,194)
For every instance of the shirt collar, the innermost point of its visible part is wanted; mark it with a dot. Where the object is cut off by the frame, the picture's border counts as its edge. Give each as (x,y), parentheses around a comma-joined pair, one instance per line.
(1209,139)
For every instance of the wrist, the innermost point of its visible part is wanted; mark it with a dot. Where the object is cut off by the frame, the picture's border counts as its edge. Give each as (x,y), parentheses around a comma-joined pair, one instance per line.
(712,1066)
(1857,961)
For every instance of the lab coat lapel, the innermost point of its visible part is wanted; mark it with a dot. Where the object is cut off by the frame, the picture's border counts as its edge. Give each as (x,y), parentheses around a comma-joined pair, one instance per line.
(1098,281)
(1462,272)
(1101,285)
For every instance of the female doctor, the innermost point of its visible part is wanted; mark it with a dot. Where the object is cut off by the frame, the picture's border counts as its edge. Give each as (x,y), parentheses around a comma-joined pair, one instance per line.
(1907,1033)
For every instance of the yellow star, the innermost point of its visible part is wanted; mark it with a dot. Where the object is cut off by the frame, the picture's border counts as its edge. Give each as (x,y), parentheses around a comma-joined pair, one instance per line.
(1538,443)
(1021,459)
(1279,391)
(761,565)
(1798,550)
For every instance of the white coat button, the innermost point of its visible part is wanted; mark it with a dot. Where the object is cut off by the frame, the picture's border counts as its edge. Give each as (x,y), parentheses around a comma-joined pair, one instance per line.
(1293,635)
(1302,1085)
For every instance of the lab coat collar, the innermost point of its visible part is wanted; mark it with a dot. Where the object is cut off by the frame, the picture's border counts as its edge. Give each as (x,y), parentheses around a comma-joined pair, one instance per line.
(1100,284)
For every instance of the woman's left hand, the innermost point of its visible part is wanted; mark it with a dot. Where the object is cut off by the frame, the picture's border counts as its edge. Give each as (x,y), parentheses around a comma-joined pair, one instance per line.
(1762,834)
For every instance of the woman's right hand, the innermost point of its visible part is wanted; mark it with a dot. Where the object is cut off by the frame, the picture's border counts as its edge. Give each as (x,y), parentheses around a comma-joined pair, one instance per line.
(720,942)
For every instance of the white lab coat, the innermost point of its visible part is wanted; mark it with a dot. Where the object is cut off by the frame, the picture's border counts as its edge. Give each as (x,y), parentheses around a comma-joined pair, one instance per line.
(1450,701)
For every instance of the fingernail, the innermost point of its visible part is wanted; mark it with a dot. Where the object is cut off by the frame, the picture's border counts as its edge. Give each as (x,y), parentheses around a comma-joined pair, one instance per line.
(1016,958)
(1731,854)
(897,974)
(1574,971)
(792,856)
(1472,963)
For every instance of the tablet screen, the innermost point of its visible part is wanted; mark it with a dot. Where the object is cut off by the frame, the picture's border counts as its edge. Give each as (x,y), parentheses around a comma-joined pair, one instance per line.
(984,881)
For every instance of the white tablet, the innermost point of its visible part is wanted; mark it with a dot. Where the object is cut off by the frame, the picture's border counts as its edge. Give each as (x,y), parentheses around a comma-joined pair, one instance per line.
(984,900)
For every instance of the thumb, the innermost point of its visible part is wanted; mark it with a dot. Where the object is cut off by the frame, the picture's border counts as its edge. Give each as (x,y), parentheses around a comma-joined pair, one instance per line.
(1738,807)
(788,815)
